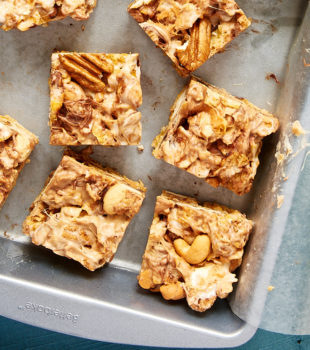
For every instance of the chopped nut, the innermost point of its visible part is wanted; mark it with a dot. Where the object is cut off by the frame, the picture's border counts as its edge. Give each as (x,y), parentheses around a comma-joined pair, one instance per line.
(270,288)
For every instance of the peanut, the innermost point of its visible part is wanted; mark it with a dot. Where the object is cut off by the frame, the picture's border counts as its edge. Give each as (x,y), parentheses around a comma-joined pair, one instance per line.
(145,279)
(173,291)
(114,199)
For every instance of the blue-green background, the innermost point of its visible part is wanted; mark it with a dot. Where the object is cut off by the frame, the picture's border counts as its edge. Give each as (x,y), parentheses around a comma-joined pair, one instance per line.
(17,336)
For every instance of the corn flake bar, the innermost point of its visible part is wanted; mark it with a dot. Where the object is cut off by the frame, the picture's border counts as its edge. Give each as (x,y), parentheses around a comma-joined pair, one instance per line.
(189,31)
(16,144)
(25,14)
(83,211)
(215,136)
(192,250)
(94,99)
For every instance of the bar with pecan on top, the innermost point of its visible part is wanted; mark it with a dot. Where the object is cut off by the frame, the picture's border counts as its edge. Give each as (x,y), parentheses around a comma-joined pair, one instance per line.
(192,250)
(25,14)
(83,210)
(189,31)
(16,145)
(215,136)
(94,99)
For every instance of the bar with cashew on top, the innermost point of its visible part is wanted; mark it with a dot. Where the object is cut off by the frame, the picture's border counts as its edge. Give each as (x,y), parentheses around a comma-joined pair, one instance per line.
(25,14)
(189,31)
(94,99)
(83,211)
(16,145)
(192,250)
(215,136)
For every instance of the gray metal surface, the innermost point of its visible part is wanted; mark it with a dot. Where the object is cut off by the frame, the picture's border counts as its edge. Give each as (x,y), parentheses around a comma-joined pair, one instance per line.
(40,288)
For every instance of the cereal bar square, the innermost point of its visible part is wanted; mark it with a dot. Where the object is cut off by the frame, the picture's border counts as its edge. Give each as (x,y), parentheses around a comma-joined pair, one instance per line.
(83,211)
(16,144)
(215,136)
(192,250)
(25,14)
(189,31)
(94,99)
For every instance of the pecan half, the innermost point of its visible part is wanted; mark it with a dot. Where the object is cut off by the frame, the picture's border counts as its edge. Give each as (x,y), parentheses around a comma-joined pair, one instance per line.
(100,62)
(198,48)
(84,72)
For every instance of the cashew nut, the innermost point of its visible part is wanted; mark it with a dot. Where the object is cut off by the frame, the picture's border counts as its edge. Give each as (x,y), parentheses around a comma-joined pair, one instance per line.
(195,253)
(173,291)
(114,199)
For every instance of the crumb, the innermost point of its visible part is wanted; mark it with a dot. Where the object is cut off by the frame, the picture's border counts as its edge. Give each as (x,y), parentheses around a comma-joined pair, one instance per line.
(83,27)
(280,200)
(285,179)
(149,177)
(71,24)
(140,148)
(155,104)
(272,76)
(280,157)
(13,226)
(5,234)
(305,63)
(255,31)
(269,103)
(270,288)
(297,129)
(287,146)
(239,84)
(274,29)
(2,73)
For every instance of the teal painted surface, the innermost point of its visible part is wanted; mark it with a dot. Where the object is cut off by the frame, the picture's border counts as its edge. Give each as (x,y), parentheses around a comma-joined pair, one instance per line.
(18,336)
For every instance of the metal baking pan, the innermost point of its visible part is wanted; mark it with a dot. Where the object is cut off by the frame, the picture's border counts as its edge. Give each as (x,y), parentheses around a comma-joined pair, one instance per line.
(42,289)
